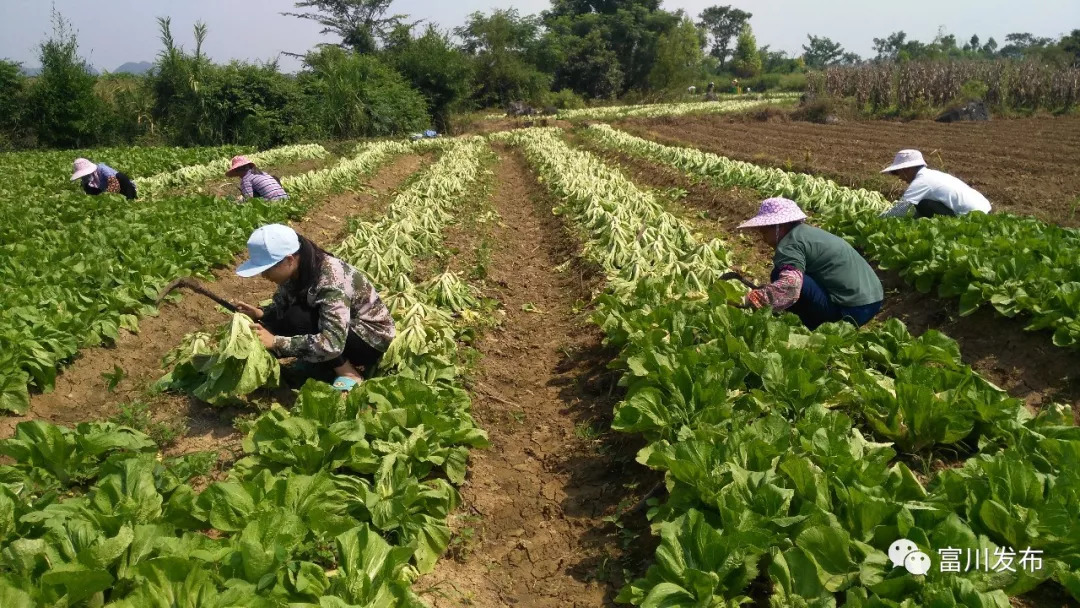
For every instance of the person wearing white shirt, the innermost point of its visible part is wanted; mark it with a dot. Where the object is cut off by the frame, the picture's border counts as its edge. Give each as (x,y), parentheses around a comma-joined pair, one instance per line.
(931,192)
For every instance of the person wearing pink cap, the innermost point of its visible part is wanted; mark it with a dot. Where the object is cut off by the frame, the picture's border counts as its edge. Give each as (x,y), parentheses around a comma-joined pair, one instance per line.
(325,313)
(97,178)
(816,275)
(931,192)
(254,182)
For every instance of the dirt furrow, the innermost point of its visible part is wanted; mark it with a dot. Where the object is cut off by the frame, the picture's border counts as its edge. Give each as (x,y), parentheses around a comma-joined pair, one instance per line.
(82,392)
(531,531)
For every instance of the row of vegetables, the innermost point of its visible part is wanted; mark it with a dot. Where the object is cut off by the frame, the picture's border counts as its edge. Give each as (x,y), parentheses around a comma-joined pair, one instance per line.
(337,502)
(1020,266)
(658,110)
(87,267)
(726,102)
(49,170)
(794,460)
(191,175)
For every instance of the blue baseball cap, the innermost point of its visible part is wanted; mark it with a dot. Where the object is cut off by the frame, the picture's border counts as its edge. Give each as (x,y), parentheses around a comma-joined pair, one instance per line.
(267,246)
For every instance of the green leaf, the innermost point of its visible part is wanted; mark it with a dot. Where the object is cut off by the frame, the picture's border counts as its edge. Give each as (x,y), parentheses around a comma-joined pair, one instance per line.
(970,301)
(14,397)
(229,504)
(223,369)
(78,583)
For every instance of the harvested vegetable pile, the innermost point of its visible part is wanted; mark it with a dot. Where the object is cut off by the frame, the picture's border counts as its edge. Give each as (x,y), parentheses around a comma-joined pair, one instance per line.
(223,368)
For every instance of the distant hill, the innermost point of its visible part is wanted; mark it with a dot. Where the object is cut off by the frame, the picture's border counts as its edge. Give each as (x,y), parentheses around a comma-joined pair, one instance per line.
(138,68)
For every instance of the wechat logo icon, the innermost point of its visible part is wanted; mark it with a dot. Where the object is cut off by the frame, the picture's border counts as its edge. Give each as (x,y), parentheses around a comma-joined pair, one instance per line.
(904,553)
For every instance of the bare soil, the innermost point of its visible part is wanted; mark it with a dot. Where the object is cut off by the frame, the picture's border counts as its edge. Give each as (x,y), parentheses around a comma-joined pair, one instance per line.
(534,503)
(1024,363)
(1024,166)
(81,392)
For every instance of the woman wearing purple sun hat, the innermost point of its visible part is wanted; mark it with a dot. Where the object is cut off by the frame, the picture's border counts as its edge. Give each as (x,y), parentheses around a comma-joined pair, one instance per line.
(98,178)
(816,275)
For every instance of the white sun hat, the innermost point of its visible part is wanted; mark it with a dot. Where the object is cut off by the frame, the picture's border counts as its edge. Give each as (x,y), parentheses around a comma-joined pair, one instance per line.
(82,168)
(267,246)
(905,159)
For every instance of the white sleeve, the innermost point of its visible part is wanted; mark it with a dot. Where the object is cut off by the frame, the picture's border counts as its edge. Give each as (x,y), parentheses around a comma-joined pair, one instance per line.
(916,192)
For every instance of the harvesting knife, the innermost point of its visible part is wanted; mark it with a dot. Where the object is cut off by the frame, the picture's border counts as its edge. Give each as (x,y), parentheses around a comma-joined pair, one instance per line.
(187,283)
(738,277)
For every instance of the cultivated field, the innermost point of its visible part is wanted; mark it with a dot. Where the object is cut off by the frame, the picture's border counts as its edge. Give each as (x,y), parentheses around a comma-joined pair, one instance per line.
(1024,166)
(572,414)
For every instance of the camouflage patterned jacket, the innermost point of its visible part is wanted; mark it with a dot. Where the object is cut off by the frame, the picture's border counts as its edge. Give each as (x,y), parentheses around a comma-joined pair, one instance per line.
(346,301)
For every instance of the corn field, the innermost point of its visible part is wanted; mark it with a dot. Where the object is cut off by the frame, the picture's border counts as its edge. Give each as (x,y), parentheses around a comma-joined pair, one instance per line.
(1009,84)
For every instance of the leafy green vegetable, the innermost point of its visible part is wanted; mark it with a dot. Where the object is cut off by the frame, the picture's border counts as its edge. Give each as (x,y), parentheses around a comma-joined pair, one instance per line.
(223,368)
(785,448)
(89,267)
(337,502)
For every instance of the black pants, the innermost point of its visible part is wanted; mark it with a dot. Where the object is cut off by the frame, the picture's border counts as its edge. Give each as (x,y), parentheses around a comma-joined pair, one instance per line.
(127,187)
(930,208)
(303,320)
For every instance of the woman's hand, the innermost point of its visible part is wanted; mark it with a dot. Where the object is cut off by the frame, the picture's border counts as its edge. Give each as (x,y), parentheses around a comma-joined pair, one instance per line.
(265,337)
(252,312)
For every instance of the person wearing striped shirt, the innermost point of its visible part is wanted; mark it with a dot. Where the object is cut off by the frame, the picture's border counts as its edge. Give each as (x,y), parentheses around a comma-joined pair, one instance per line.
(254,182)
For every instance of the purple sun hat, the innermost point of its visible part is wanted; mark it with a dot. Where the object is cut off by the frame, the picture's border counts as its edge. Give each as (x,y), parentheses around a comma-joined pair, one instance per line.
(773,212)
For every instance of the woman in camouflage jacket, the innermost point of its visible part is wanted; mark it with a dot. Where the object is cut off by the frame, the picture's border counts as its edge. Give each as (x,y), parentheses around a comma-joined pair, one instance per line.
(325,312)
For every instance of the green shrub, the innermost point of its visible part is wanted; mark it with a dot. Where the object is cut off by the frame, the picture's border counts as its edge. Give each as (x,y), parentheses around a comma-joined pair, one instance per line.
(765,82)
(350,95)
(62,107)
(438,70)
(973,90)
(793,82)
(565,99)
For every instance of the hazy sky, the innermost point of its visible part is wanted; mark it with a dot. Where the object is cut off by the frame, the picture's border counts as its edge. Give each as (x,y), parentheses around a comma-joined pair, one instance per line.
(112,32)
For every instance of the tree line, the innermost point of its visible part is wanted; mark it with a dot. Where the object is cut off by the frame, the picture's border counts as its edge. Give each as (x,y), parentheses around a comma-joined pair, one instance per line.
(388,74)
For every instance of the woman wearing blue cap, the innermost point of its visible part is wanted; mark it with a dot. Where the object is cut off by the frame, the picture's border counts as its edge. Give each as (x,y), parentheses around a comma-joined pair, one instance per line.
(324,312)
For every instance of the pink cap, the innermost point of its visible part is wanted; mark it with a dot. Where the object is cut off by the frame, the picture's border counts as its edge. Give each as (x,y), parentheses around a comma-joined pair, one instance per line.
(83,168)
(238,162)
(773,212)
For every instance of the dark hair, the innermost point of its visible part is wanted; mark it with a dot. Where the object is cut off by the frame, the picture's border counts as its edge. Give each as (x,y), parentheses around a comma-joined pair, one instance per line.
(311,260)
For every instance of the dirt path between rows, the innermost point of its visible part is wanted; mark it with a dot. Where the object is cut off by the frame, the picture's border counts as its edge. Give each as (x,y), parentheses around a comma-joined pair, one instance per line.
(1024,363)
(81,392)
(534,502)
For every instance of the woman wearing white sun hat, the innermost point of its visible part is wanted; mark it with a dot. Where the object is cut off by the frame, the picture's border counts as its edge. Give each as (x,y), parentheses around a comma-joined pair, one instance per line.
(325,313)
(816,275)
(99,177)
(931,192)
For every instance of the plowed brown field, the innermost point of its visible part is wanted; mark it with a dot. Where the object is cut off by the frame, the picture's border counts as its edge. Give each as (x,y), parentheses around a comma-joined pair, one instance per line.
(1025,166)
